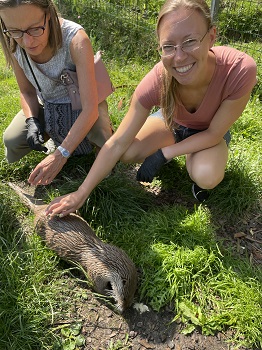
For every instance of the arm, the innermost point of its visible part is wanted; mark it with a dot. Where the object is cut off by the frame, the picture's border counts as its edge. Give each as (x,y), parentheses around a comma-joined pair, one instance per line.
(30,106)
(109,155)
(83,57)
(28,96)
(226,115)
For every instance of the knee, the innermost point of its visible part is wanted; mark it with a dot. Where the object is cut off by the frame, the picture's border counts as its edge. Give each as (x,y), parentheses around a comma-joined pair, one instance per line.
(127,157)
(14,151)
(132,155)
(9,147)
(9,144)
(11,141)
(207,177)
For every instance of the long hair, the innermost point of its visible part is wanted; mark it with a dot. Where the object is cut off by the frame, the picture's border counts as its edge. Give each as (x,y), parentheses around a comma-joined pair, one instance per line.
(169,95)
(55,34)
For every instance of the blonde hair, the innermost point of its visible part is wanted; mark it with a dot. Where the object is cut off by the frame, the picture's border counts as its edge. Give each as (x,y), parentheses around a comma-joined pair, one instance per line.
(169,96)
(55,35)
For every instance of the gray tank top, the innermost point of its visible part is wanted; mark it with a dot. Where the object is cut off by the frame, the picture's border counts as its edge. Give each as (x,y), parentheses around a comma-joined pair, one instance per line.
(47,74)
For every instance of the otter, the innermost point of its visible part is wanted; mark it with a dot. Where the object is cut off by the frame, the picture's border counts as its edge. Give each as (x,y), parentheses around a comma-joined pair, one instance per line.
(111,272)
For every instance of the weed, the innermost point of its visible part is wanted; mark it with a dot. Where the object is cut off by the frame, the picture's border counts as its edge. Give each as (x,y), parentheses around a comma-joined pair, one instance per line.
(119,344)
(71,337)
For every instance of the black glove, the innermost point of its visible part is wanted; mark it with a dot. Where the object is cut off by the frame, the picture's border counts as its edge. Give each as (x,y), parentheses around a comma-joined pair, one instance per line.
(150,167)
(35,134)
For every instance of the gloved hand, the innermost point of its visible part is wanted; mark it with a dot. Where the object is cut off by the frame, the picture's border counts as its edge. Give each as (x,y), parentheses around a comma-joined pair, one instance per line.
(150,167)
(35,135)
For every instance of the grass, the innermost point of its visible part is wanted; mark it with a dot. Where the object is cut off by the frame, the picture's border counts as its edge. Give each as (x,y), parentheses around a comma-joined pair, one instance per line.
(30,282)
(177,248)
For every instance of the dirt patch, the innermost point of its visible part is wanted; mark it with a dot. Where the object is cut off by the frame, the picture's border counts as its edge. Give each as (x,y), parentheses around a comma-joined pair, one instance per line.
(103,329)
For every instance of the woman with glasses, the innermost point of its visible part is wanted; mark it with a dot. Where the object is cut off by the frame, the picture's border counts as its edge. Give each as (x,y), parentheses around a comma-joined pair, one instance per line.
(201,89)
(39,45)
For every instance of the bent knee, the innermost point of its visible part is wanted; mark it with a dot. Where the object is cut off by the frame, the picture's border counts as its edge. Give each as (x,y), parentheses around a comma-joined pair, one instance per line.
(207,177)
(132,155)
(10,140)
(15,148)
(7,138)
(128,157)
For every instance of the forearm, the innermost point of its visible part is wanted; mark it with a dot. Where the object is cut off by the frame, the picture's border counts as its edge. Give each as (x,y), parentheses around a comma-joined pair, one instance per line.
(192,144)
(29,104)
(79,130)
(107,158)
(103,165)
(28,94)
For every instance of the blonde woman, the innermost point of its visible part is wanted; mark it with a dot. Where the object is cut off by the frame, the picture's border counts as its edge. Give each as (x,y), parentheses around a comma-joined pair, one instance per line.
(201,89)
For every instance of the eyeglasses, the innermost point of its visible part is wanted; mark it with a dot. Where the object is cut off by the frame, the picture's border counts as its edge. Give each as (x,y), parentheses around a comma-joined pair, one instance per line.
(17,34)
(189,45)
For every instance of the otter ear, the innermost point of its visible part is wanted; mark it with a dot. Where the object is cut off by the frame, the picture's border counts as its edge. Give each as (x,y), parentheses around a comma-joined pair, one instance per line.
(108,286)
(103,285)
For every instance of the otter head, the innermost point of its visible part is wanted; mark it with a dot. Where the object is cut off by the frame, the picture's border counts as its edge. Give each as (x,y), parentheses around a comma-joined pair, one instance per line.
(120,288)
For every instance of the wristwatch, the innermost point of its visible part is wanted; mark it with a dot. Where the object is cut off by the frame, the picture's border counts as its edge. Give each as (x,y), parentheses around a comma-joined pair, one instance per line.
(65,153)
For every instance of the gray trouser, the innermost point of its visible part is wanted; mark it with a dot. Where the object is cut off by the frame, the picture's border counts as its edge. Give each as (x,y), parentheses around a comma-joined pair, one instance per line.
(16,145)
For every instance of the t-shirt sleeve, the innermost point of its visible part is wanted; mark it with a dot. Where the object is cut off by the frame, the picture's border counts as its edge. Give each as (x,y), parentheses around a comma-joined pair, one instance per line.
(148,90)
(242,78)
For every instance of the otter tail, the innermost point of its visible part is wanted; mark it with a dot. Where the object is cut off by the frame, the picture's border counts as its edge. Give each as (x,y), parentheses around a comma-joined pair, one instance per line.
(30,201)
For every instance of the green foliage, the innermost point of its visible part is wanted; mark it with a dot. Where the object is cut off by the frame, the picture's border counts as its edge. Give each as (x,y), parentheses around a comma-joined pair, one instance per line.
(240,26)
(71,337)
(119,345)
(181,259)
(129,26)
(30,282)
(183,263)
(240,18)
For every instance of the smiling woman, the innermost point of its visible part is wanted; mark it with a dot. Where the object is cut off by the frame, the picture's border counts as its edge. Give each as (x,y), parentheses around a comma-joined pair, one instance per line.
(189,45)
(39,45)
(201,90)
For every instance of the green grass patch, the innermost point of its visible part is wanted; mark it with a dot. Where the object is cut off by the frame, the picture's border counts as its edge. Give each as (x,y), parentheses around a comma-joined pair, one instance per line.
(176,247)
(31,282)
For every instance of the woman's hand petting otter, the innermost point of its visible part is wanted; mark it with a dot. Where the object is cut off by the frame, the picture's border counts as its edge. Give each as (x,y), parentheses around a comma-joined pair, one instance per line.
(45,172)
(64,205)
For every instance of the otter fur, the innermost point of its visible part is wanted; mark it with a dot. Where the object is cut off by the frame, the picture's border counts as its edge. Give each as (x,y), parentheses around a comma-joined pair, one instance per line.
(108,267)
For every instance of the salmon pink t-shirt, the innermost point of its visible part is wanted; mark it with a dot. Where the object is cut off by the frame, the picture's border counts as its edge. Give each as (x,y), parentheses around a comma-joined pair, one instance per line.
(234,75)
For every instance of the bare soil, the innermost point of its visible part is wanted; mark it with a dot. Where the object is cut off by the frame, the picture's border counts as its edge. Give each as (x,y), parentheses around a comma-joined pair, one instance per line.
(105,329)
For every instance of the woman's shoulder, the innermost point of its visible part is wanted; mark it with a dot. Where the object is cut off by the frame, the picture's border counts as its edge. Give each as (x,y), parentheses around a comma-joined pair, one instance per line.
(154,75)
(237,71)
(227,55)
(148,90)
(66,23)
(70,28)
(69,31)
(158,68)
